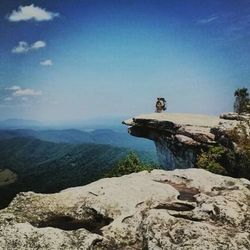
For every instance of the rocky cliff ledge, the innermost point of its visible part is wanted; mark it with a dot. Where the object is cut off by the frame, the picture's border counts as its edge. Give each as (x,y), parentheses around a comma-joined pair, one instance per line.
(179,138)
(180,209)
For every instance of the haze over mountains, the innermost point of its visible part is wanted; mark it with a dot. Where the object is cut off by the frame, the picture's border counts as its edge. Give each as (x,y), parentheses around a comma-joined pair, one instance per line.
(19,123)
(112,134)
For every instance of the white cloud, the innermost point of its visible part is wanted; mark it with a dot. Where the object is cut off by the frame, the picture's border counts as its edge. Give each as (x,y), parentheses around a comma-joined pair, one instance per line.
(38,45)
(24,47)
(7,99)
(27,92)
(18,91)
(15,87)
(46,62)
(31,12)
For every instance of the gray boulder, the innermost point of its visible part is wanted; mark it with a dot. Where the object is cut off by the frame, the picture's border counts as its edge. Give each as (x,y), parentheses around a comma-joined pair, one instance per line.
(180,209)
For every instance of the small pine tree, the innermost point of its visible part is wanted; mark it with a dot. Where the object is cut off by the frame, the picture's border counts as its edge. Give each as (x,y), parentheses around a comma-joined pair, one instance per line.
(242,101)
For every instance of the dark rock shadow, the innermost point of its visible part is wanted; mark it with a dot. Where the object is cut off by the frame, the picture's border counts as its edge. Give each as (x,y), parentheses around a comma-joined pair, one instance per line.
(69,223)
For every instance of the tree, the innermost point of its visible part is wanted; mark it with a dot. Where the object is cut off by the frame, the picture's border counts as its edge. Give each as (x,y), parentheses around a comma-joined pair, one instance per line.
(130,164)
(242,101)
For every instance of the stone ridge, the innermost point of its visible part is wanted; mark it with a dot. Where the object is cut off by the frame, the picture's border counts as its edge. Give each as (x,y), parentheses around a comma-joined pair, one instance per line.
(180,209)
(179,138)
(182,123)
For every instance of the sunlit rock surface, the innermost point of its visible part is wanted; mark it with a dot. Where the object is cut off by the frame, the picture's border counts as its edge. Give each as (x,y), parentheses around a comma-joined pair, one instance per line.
(180,209)
(179,138)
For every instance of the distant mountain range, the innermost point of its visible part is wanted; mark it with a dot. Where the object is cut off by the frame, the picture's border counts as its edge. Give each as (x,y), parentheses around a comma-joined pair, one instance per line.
(49,160)
(44,166)
(19,123)
(97,123)
(74,136)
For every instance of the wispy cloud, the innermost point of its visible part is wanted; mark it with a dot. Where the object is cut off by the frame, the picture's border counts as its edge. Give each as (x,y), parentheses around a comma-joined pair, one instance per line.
(231,26)
(208,20)
(15,87)
(47,62)
(27,92)
(31,12)
(239,27)
(25,99)
(18,91)
(24,47)
(7,99)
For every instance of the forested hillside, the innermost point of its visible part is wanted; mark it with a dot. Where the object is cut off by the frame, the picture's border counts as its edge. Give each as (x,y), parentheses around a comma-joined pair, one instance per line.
(49,167)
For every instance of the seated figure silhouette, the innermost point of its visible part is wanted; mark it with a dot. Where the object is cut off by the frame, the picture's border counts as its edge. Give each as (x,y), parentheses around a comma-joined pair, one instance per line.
(160,105)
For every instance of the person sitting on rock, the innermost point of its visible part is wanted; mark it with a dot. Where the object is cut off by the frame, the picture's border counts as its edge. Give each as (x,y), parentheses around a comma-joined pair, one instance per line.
(160,105)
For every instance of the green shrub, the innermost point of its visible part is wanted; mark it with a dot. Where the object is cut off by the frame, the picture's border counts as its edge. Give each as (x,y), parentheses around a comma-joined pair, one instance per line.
(130,164)
(212,159)
(235,163)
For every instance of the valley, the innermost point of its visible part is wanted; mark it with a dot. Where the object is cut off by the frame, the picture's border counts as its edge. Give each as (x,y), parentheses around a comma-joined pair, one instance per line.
(48,167)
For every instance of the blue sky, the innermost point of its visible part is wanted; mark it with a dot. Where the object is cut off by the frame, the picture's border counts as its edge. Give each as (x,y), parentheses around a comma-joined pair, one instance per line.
(72,60)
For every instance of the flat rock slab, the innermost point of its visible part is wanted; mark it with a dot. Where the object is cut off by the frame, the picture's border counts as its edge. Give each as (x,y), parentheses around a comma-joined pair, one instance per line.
(179,118)
(180,209)
(201,123)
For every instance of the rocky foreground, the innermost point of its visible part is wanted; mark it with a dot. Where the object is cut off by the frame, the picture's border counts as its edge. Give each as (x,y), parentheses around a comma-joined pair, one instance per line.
(180,209)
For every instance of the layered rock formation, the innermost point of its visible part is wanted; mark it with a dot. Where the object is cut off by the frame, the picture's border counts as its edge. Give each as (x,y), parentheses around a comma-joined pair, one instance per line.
(180,209)
(179,138)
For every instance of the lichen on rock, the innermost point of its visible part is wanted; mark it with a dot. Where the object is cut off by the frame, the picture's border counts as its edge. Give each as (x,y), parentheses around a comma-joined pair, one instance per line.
(180,209)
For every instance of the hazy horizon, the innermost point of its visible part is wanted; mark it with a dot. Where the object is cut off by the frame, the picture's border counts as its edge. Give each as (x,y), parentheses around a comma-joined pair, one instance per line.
(64,62)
